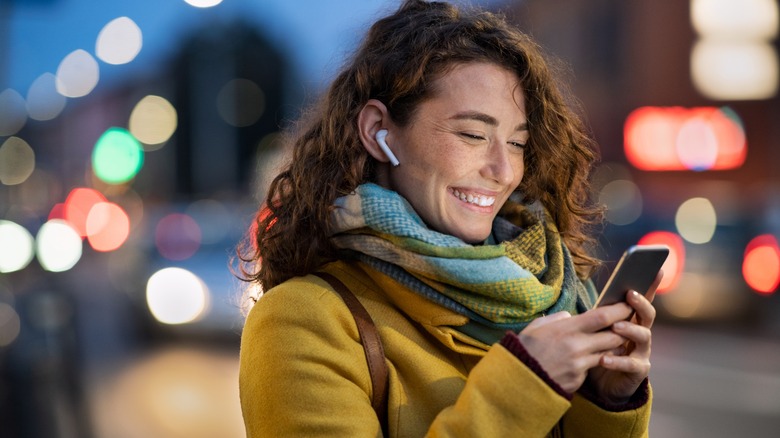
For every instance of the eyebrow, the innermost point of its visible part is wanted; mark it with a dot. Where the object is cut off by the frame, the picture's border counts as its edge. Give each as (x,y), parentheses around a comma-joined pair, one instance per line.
(484,118)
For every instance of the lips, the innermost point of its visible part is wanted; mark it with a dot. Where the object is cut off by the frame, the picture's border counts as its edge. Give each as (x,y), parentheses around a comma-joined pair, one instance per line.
(474,198)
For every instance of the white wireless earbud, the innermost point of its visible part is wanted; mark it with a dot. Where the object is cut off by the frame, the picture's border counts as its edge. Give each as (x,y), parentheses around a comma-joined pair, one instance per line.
(380,138)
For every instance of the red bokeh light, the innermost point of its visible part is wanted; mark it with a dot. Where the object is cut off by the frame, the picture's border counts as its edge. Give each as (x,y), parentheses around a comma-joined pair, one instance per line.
(761,264)
(77,206)
(108,226)
(676,138)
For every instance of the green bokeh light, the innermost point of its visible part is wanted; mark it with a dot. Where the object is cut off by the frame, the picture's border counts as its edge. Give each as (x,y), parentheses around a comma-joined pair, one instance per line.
(117,157)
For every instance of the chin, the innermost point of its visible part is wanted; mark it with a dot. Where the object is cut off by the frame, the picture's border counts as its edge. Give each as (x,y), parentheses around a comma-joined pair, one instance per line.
(474,238)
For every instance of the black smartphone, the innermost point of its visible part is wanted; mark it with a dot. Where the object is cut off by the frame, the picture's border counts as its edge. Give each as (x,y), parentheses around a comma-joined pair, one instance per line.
(635,270)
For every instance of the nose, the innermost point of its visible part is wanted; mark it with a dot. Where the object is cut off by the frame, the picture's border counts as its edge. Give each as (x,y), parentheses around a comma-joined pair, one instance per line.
(499,165)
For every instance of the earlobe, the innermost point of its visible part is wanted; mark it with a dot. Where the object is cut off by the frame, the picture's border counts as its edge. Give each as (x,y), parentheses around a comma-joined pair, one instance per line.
(373,119)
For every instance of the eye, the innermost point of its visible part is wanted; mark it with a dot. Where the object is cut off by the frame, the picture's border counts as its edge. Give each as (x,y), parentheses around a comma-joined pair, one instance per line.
(471,136)
(517,144)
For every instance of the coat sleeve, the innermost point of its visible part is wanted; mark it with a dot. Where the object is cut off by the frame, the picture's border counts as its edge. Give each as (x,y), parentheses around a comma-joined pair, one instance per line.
(585,419)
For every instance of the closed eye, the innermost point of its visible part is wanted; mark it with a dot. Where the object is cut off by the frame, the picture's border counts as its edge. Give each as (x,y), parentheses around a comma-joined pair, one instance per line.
(471,136)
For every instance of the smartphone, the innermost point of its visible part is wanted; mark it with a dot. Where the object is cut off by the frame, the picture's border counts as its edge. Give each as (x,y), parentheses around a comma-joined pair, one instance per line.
(635,270)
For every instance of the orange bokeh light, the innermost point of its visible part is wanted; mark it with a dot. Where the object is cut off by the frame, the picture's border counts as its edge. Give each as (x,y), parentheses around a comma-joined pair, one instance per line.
(674,265)
(108,226)
(677,138)
(77,206)
(761,265)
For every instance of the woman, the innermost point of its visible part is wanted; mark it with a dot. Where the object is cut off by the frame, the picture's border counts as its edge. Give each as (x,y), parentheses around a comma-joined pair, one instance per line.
(470,254)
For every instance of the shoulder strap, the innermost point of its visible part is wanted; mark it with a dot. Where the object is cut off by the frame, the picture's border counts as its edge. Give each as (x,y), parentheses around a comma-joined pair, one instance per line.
(369,336)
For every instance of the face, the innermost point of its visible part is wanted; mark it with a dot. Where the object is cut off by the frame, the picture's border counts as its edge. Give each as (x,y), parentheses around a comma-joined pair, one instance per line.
(461,154)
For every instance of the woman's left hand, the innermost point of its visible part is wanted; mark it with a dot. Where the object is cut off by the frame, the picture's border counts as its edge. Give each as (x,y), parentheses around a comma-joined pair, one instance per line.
(620,372)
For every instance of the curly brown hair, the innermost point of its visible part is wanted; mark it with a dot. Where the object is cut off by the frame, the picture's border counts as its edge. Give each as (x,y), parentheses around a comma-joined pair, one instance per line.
(397,63)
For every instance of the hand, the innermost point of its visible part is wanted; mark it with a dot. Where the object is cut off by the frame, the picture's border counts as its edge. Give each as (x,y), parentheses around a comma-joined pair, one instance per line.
(568,346)
(621,371)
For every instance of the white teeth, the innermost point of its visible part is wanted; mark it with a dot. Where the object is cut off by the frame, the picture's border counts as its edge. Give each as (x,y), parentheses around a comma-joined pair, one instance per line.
(482,201)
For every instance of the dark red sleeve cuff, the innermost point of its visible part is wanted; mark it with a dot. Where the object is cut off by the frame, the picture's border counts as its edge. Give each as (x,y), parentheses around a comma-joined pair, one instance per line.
(512,343)
(639,399)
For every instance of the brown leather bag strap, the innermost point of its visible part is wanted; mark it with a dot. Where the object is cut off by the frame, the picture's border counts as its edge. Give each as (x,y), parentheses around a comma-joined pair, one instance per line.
(372,344)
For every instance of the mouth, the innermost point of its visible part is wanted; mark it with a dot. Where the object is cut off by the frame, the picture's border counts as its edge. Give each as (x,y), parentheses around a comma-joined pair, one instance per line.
(478,199)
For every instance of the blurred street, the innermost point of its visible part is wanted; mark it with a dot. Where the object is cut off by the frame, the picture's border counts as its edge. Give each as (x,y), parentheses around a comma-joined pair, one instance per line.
(138,139)
(714,384)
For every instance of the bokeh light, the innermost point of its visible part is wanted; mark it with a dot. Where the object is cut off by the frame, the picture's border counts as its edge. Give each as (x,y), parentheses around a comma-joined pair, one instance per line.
(77,206)
(119,42)
(43,100)
(9,325)
(176,296)
(78,74)
(58,246)
(108,226)
(734,70)
(761,265)
(117,156)
(745,19)
(203,3)
(13,112)
(623,201)
(16,247)
(177,236)
(696,220)
(675,138)
(241,102)
(153,121)
(674,265)
(17,161)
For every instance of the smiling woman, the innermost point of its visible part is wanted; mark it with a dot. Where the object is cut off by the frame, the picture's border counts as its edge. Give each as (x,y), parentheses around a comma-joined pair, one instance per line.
(442,181)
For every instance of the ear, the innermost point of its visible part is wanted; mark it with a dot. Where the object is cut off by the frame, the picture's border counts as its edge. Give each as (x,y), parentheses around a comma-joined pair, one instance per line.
(372,118)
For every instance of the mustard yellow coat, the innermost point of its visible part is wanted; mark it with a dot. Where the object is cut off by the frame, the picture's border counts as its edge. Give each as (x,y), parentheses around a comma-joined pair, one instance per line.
(303,371)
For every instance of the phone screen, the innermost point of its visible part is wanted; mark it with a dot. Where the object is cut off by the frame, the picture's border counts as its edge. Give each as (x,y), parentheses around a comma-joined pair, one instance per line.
(635,270)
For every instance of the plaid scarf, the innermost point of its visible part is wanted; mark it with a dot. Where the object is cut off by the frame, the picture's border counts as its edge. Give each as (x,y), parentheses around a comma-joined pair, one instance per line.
(523,270)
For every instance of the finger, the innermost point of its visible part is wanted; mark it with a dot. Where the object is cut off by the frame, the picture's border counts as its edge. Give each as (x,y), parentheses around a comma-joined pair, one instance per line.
(538,322)
(626,364)
(602,317)
(640,337)
(645,312)
(605,341)
(650,295)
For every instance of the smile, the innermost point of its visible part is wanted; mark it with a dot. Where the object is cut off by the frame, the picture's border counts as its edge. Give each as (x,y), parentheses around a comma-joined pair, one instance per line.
(481,200)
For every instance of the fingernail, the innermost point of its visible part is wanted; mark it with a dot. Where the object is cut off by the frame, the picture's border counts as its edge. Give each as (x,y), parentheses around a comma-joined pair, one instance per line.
(620,325)
(607,360)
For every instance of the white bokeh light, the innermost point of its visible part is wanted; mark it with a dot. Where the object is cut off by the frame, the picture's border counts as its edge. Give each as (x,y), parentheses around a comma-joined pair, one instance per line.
(16,246)
(43,100)
(78,74)
(176,296)
(203,3)
(119,42)
(58,246)
(696,220)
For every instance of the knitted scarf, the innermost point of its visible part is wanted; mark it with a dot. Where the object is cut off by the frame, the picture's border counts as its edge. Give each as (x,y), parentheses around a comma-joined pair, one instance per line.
(523,270)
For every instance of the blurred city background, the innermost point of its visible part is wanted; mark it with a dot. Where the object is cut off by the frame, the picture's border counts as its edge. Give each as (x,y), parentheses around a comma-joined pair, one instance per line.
(136,140)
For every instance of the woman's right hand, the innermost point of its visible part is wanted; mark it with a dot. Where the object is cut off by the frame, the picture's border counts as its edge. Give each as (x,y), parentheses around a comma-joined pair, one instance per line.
(568,346)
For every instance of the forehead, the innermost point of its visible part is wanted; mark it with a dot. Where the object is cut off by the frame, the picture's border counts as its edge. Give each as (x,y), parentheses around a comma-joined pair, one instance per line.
(480,83)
